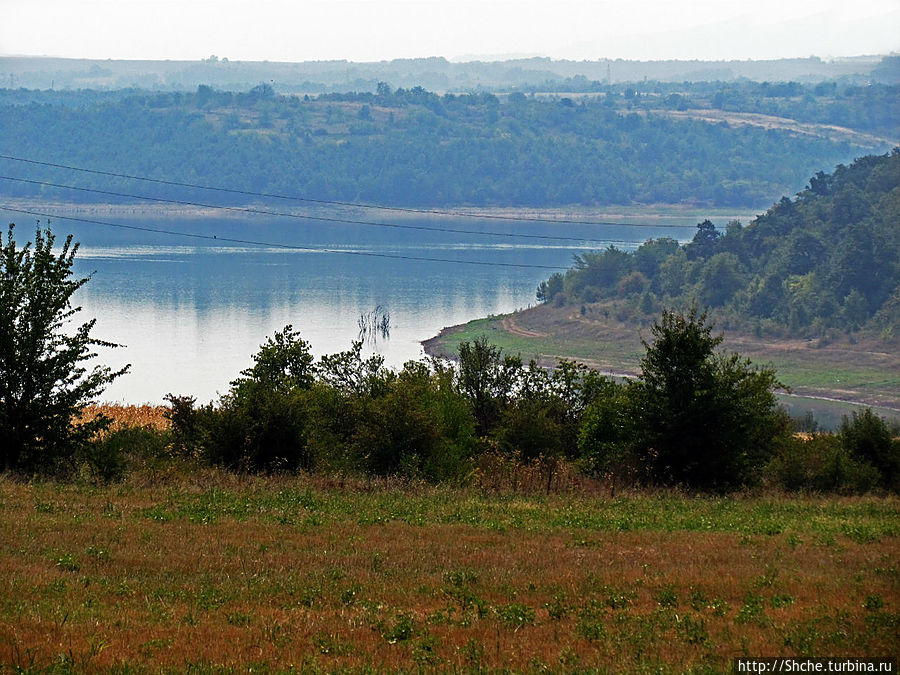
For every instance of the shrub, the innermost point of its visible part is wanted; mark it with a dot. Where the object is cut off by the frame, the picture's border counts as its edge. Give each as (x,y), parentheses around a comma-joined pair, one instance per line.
(108,456)
(261,422)
(820,464)
(867,438)
(606,430)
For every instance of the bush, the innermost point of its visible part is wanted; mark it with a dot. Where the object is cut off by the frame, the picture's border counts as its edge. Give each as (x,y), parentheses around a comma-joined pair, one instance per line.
(606,432)
(258,429)
(261,423)
(820,464)
(108,456)
(866,437)
(412,423)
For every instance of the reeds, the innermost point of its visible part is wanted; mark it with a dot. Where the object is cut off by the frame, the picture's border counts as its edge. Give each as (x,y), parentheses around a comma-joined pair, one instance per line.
(128,416)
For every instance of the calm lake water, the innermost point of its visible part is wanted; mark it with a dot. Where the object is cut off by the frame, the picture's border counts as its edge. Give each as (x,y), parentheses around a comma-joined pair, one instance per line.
(192,312)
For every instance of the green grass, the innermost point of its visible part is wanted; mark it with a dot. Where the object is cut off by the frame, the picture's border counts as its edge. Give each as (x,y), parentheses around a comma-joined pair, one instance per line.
(813,374)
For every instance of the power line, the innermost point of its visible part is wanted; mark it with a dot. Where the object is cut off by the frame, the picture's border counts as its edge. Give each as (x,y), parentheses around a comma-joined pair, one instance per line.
(329,219)
(329,202)
(250,242)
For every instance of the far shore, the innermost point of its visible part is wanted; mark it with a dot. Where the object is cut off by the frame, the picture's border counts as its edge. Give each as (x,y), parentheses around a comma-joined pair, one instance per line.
(643,212)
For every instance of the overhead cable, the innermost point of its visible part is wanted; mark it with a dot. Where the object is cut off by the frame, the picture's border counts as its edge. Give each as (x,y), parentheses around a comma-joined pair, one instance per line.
(292,247)
(330,202)
(299,216)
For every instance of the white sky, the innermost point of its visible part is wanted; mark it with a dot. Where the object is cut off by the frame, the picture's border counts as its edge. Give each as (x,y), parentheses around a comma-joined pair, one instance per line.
(372,30)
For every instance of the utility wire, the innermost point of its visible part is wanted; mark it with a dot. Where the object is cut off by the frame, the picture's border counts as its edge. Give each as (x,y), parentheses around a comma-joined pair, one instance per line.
(285,214)
(360,205)
(250,242)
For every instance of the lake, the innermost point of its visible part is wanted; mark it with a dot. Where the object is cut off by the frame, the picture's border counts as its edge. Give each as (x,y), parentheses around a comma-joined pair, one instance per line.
(191,312)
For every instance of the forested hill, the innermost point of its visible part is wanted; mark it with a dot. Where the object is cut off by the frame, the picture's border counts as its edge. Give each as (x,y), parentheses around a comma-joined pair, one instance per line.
(827,260)
(415,148)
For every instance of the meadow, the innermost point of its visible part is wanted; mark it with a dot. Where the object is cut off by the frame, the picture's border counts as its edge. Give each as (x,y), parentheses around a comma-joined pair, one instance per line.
(187,568)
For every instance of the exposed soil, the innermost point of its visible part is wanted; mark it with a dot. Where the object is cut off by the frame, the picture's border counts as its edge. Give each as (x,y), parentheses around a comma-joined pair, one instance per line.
(860,370)
(827,131)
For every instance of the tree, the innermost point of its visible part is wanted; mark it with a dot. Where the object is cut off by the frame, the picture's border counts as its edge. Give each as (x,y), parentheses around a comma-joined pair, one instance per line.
(720,278)
(703,245)
(487,379)
(43,382)
(548,290)
(262,422)
(703,419)
(283,362)
(868,438)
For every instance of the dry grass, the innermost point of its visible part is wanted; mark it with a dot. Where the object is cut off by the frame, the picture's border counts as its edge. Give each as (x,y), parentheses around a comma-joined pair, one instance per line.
(218,570)
(129,416)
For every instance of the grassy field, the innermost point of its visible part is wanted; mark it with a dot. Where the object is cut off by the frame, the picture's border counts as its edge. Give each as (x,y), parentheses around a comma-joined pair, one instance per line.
(866,372)
(200,570)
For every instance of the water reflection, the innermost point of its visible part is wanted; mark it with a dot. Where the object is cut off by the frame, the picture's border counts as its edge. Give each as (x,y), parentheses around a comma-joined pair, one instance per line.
(192,316)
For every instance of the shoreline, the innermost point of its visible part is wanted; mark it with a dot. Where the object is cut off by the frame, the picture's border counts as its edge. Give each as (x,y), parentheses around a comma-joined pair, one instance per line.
(645,212)
(434,347)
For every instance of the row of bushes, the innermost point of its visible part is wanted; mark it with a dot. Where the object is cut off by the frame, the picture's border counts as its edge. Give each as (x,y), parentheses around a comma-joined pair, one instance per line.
(694,419)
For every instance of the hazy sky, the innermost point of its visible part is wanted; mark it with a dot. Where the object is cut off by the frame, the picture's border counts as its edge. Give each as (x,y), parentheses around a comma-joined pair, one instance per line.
(372,30)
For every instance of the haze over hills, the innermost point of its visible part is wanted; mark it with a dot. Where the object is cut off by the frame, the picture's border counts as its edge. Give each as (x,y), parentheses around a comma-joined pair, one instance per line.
(435,73)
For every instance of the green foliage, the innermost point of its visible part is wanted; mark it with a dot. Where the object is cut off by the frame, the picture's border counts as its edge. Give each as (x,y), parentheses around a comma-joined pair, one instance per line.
(108,456)
(701,419)
(487,379)
(606,431)
(548,290)
(186,424)
(828,260)
(819,464)
(418,426)
(862,456)
(694,418)
(261,422)
(283,363)
(43,382)
(869,439)
(344,413)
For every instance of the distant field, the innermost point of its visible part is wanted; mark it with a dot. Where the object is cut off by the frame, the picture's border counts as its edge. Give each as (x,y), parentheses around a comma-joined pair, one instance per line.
(866,372)
(210,572)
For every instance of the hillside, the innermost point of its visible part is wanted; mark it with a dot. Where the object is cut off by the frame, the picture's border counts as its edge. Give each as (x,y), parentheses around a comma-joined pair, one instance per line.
(812,286)
(414,147)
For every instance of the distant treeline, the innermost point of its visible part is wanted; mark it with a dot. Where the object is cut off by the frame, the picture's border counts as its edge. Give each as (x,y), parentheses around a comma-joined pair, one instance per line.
(827,260)
(414,147)
(434,73)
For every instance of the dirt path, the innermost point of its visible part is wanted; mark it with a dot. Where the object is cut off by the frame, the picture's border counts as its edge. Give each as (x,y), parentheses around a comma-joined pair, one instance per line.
(829,131)
(510,326)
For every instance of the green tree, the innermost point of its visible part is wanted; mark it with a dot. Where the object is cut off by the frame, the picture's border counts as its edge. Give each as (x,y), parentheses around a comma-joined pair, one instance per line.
(867,437)
(548,290)
(703,245)
(283,362)
(487,378)
(703,419)
(262,422)
(43,379)
(720,278)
